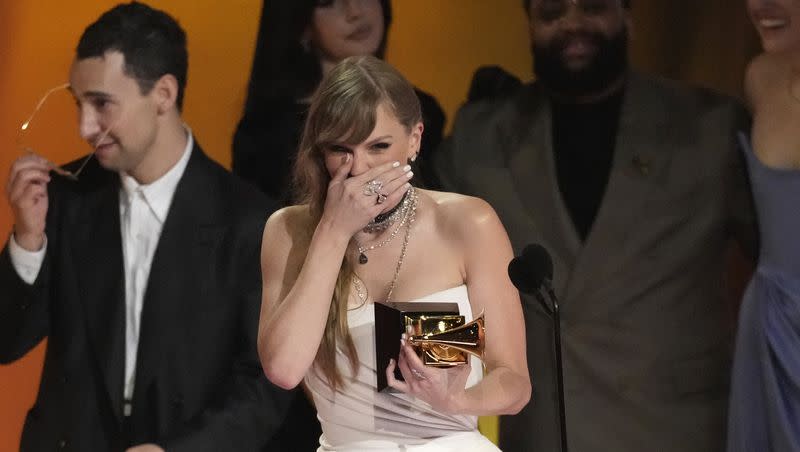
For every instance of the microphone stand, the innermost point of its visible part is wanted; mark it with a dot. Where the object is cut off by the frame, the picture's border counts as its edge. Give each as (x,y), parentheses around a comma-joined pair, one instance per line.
(532,274)
(559,364)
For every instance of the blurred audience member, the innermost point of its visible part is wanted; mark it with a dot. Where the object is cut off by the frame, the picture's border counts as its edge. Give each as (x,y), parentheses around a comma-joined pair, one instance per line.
(765,395)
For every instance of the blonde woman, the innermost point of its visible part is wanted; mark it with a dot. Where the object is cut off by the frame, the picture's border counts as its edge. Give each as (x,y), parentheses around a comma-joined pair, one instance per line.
(364,234)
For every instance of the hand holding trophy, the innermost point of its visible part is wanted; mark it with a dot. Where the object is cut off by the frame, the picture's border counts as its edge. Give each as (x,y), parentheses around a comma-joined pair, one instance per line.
(437,333)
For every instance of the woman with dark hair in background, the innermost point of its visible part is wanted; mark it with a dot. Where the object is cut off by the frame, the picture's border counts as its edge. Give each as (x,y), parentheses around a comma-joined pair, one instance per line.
(298,42)
(765,393)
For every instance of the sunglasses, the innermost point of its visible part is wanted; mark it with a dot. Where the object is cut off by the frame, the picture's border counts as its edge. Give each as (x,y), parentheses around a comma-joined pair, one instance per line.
(25,128)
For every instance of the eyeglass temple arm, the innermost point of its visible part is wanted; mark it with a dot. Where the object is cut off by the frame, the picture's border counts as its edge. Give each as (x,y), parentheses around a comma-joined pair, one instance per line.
(41,102)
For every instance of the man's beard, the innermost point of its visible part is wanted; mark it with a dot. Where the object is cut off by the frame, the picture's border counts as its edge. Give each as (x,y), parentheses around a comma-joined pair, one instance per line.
(607,65)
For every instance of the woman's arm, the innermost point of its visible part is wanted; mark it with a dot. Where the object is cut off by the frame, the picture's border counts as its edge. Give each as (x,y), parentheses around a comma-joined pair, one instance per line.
(296,294)
(506,388)
(299,281)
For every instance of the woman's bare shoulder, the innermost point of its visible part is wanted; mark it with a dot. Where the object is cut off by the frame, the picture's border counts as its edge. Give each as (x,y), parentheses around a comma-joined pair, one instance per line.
(461,213)
(768,64)
(286,237)
(287,222)
(768,71)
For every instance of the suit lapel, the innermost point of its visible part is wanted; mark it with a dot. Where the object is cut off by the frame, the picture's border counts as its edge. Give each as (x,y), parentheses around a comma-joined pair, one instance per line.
(182,258)
(638,156)
(533,172)
(98,257)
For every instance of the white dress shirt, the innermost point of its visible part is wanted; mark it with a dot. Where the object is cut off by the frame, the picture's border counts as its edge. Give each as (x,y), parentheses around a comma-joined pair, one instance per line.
(142,210)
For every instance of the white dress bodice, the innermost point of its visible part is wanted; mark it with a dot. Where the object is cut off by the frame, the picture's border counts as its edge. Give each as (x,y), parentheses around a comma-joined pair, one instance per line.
(358,417)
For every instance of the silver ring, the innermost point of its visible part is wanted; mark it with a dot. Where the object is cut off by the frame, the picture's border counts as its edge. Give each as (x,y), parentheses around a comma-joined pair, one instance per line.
(372,187)
(419,375)
(381,198)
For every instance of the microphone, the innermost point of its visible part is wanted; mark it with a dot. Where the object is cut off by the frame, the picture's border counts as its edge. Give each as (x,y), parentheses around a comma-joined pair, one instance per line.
(532,273)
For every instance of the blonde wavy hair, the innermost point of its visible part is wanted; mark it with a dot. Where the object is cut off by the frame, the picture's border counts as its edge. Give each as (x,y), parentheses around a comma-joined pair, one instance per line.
(343,110)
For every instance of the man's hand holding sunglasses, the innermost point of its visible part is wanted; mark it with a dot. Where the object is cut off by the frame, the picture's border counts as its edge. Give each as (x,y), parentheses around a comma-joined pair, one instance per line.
(26,190)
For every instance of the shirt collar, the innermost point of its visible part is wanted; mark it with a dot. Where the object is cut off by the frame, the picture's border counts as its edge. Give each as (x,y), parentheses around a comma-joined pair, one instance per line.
(158,194)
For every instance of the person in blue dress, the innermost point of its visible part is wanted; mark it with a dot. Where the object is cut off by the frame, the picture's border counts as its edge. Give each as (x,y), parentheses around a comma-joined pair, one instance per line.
(765,398)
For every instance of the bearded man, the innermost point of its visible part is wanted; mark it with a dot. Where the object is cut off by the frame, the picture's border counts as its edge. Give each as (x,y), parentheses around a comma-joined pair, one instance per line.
(635,186)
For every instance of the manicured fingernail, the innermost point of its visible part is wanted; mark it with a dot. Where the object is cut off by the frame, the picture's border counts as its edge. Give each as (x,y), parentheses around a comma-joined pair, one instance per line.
(410,174)
(407,168)
(395,164)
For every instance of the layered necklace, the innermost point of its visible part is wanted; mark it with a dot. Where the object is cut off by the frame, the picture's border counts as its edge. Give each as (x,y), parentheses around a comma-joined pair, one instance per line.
(405,211)
(385,220)
(407,219)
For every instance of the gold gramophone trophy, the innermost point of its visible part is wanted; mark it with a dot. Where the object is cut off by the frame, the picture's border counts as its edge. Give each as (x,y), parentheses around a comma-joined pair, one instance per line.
(445,341)
(439,333)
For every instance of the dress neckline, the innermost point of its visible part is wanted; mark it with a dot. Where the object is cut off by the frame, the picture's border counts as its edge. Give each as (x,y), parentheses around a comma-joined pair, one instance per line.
(438,293)
(424,298)
(744,142)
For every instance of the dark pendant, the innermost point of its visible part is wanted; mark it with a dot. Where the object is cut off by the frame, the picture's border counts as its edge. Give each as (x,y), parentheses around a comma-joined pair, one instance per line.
(362,258)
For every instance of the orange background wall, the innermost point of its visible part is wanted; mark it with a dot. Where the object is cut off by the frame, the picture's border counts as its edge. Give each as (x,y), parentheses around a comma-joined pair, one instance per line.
(436,43)
(37,41)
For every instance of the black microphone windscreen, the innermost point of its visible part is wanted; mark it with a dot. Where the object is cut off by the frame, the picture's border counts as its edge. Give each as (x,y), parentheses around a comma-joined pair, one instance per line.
(518,272)
(538,258)
(530,269)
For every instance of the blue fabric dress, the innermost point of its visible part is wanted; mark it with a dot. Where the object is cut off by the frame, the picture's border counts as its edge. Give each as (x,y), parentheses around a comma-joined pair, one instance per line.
(765,394)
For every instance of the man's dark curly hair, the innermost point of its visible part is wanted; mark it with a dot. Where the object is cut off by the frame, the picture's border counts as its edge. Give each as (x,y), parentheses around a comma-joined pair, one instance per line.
(152,42)
(527,5)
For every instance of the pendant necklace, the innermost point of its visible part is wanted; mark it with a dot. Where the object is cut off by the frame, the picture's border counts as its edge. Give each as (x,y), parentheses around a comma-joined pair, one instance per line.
(361,290)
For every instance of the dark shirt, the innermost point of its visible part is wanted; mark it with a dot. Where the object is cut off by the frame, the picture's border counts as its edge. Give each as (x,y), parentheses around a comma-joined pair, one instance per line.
(584,136)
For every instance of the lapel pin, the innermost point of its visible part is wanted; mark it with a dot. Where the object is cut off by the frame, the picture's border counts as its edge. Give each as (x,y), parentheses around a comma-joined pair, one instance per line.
(641,164)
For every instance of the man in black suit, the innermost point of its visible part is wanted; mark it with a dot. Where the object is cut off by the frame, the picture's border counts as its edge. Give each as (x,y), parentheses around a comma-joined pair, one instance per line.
(144,272)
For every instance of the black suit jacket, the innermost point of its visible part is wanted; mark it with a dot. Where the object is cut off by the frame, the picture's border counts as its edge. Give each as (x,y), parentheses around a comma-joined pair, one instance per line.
(199,385)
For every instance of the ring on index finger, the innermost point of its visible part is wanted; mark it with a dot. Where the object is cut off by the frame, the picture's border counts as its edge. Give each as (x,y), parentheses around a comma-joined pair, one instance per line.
(419,375)
(372,187)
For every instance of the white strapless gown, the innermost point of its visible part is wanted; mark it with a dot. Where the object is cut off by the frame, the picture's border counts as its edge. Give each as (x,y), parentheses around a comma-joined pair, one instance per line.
(359,418)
